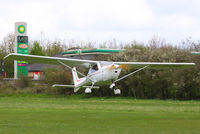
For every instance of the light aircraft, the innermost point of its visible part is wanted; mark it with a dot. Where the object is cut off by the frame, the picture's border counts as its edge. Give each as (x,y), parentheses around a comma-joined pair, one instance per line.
(100,72)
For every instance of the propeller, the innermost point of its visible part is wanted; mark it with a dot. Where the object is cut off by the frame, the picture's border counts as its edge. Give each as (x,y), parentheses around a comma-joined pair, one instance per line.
(125,66)
(122,66)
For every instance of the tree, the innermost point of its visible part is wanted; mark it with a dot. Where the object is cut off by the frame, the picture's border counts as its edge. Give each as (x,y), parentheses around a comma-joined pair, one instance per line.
(37,49)
(6,47)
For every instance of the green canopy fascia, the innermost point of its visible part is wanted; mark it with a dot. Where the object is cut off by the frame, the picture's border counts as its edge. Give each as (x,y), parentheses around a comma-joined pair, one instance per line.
(89,51)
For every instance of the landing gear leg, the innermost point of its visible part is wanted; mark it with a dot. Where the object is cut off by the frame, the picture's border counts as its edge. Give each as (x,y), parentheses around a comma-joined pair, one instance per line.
(112,85)
(89,89)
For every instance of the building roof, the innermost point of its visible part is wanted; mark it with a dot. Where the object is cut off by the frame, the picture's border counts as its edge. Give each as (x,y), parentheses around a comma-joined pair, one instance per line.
(91,51)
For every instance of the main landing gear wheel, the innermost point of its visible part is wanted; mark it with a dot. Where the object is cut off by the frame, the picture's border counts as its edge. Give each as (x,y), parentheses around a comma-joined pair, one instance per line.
(88,90)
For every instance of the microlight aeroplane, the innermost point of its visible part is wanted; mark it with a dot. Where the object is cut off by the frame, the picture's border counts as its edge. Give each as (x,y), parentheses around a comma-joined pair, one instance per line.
(100,72)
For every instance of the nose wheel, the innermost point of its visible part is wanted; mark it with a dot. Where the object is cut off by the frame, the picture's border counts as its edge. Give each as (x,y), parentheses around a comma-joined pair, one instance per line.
(116,91)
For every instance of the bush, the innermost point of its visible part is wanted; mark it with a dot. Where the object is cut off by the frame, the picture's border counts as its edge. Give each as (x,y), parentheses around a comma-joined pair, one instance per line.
(22,82)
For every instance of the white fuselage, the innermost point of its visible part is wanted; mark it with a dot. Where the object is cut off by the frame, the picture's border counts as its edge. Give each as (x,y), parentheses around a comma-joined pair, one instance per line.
(105,72)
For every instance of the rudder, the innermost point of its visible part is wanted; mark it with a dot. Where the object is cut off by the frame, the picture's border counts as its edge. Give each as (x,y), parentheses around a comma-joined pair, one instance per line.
(77,81)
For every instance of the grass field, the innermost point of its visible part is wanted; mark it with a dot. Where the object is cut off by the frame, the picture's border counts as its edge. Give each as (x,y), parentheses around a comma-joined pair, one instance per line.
(83,115)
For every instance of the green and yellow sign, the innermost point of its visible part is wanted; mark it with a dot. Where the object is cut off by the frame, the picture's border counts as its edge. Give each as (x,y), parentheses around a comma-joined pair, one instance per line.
(21,29)
(22,48)
(22,44)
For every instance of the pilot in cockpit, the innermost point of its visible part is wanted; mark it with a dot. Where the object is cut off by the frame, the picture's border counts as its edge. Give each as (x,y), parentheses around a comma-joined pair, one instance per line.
(94,69)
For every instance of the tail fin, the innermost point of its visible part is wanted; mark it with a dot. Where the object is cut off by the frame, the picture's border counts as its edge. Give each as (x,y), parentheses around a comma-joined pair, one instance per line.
(77,81)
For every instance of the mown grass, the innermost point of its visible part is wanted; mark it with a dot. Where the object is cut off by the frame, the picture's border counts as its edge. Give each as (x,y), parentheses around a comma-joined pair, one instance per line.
(44,114)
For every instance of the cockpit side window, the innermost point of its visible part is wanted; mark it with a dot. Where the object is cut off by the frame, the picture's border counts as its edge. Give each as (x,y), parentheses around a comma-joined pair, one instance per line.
(95,67)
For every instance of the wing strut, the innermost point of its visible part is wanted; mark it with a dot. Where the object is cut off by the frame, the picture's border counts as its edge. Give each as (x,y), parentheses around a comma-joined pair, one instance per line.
(76,70)
(71,68)
(130,74)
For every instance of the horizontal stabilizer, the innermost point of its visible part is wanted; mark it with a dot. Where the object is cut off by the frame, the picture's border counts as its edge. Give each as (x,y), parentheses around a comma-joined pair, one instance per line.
(95,87)
(60,85)
(72,86)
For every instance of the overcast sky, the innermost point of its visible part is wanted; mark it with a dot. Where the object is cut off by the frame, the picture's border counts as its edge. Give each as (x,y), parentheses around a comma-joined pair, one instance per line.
(98,20)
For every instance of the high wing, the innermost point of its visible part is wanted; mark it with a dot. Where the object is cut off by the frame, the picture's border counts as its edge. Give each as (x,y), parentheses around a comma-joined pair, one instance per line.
(49,60)
(87,63)
(154,65)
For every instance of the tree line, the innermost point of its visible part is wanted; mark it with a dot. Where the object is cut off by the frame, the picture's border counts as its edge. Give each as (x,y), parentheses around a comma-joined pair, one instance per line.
(148,84)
